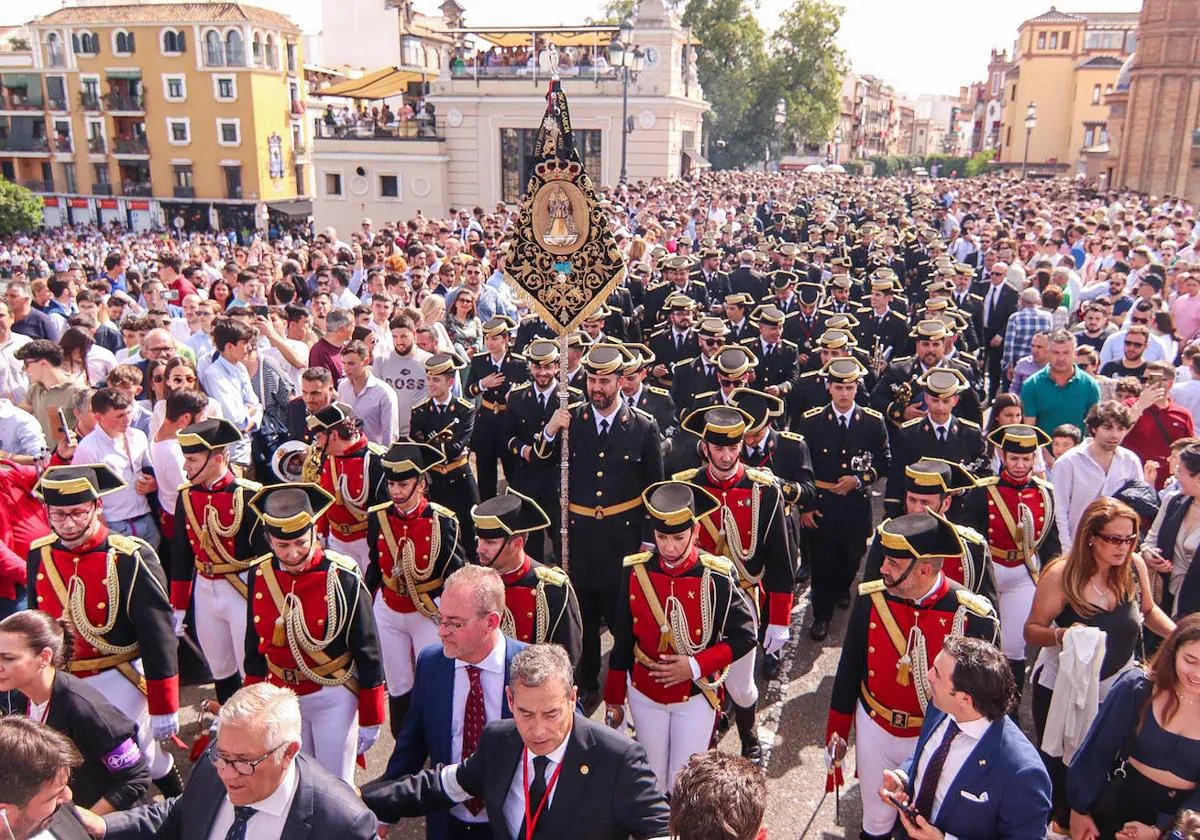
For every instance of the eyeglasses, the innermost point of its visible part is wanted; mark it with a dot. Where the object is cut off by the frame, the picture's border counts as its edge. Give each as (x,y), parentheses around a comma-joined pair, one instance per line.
(1142,321)
(710,342)
(453,626)
(1135,344)
(1114,539)
(71,515)
(186,377)
(242,766)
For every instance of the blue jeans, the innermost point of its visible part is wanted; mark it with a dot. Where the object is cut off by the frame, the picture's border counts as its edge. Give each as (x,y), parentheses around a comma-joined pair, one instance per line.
(8,606)
(143,527)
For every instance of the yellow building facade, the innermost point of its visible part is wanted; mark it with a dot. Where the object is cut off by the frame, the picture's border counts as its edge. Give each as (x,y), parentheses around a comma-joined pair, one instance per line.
(1065,64)
(189,115)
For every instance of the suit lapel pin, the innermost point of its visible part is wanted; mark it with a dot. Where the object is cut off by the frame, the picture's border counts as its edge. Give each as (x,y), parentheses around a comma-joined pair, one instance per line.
(584,769)
(982,762)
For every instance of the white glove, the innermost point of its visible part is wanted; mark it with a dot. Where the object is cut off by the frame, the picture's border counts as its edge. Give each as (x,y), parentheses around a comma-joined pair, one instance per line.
(164,726)
(776,637)
(367,736)
(180,615)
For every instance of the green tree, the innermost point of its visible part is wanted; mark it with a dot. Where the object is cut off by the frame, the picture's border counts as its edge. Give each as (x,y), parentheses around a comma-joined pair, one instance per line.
(807,67)
(20,209)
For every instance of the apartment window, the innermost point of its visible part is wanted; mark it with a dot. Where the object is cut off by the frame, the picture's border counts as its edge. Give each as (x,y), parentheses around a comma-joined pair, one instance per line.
(1008,136)
(1089,137)
(86,43)
(291,58)
(229,132)
(1066,40)
(1041,40)
(70,180)
(1013,98)
(1095,94)
(1108,89)
(100,171)
(173,42)
(179,131)
(1053,40)
(182,174)
(56,93)
(299,171)
(225,88)
(389,186)
(174,88)
(233,181)
(333,183)
(54,50)
(123,43)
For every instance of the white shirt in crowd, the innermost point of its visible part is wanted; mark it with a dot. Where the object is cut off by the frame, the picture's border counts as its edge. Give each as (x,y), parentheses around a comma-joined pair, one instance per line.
(20,432)
(167,458)
(1187,394)
(12,374)
(126,455)
(1078,481)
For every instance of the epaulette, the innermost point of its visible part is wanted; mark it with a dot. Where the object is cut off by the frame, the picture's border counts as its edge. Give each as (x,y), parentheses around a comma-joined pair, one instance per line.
(442,509)
(902,359)
(870,412)
(812,373)
(262,558)
(343,561)
(127,545)
(42,542)
(655,286)
(420,402)
(637,559)
(249,484)
(655,332)
(792,436)
(717,564)
(969,534)
(975,602)
(520,356)
(684,362)
(467,403)
(988,481)
(551,575)
(913,422)
(642,412)
(1043,483)
(813,412)
(372,446)
(685,475)
(575,405)
(788,343)
(654,389)
(871,587)
(573,391)
(791,314)
(703,395)
(480,353)
(970,424)
(379,507)
(973,296)
(187,485)
(520,387)
(760,476)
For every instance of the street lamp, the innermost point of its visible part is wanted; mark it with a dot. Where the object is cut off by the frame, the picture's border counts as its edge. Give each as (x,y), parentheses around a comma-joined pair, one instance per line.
(1030,123)
(629,60)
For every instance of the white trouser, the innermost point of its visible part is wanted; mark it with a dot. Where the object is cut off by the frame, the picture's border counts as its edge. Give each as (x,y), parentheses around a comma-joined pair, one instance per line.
(671,733)
(739,682)
(221,625)
(329,719)
(123,694)
(401,637)
(876,750)
(1015,590)
(356,549)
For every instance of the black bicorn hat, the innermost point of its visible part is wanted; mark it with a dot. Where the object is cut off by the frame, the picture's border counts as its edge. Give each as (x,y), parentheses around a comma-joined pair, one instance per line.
(675,506)
(760,406)
(406,459)
(207,435)
(935,475)
(289,510)
(723,425)
(508,515)
(76,484)
(920,536)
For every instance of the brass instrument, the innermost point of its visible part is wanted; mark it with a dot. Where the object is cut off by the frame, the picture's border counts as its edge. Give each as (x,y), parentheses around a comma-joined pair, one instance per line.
(878,357)
(310,470)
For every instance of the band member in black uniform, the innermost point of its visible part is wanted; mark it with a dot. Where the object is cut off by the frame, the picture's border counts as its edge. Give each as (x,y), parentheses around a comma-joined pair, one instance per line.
(932,484)
(614,455)
(124,639)
(671,682)
(311,629)
(540,603)
(638,394)
(531,327)
(839,295)
(897,394)
(622,322)
(445,423)
(675,281)
(882,329)
(709,274)
(691,377)
(939,434)
(216,535)
(490,377)
(413,546)
(778,369)
(593,325)
(529,408)
(807,324)
(810,387)
(578,343)
(849,450)
(738,309)
(673,341)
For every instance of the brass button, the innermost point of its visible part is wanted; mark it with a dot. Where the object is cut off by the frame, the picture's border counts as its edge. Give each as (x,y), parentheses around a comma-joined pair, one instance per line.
(600,474)
(601,454)
(258,596)
(256,618)
(41,576)
(599,493)
(101,605)
(870,673)
(871,649)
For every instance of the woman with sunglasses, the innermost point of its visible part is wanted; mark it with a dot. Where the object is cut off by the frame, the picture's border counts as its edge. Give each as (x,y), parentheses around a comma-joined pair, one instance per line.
(1174,538)
(179,375)
(1101,583)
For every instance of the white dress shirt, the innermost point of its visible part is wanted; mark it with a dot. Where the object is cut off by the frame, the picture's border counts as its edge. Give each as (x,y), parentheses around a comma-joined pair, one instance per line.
(20,432)
(1079,480)
(126,456)
(492,678)
(960,750)
(270,813)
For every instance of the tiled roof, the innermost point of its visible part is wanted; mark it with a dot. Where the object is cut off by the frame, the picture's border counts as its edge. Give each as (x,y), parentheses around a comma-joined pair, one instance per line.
(166,13)
(1095,20)
(1103,61)
(1053,15)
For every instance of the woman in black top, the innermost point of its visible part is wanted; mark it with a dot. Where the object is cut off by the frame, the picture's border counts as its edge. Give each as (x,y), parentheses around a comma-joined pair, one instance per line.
(1100,584)
(34,649)
(1174,539)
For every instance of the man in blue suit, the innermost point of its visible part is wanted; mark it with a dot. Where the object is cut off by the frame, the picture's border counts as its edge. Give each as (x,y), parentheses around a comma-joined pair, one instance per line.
(459,687)
(974,773)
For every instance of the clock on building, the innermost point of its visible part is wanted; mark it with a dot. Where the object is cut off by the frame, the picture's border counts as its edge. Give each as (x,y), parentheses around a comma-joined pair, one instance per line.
(652,56)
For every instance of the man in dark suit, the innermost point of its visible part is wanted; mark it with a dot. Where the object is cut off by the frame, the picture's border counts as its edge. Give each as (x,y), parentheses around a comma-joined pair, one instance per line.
(999,303)
(998,786)
(268,789)
(578,778)
(458,688)
(745,280)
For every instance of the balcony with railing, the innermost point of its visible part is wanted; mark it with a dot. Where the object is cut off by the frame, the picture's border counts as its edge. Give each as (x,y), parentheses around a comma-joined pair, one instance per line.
(137,188)
(96,145)
(57,103)
(219,56)
(185,192)
(63,144)
(102,189)
(20,99)
(89,101)
(24,144)
(418,128)
(125,101)
(39,186)
(137,145)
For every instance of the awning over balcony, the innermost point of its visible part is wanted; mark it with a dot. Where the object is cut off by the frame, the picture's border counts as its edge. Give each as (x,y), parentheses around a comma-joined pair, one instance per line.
(297,208)
(507,37)
(132,75)
(696,159)
(390,81)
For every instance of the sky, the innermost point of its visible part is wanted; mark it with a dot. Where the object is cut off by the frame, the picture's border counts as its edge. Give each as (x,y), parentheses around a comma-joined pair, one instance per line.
(917,46)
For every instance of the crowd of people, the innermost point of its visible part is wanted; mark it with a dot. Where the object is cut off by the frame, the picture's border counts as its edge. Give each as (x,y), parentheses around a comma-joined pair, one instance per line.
(324,475)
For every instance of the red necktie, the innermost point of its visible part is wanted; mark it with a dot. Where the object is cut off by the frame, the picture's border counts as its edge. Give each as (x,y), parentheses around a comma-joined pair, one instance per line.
(474,719)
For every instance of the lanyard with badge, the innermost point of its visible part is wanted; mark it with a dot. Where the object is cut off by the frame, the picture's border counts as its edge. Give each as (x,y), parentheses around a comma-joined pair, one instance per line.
(531,817)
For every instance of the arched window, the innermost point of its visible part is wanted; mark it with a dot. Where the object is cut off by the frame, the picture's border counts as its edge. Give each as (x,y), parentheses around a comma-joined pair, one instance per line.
(256,50)
(214,53)
(235,49)
(54,50)
(173,42)
(269,57)
(123,43)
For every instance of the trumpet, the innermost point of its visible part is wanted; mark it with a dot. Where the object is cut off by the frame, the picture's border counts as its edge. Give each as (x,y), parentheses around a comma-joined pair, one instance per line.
(314,460)
(878,357)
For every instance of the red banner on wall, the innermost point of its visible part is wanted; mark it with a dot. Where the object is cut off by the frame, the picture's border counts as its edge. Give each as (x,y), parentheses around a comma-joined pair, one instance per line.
(78,202)
(139,205)
(108,204)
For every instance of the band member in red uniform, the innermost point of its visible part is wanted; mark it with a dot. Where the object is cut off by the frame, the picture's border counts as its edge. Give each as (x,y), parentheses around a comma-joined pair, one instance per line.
(353,474)
(681,620)
(540,603)
(930,484)
(216,535)
(113,591)
(413,545)
(896,627)
(1015,513)
(311,629)
(747,529)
